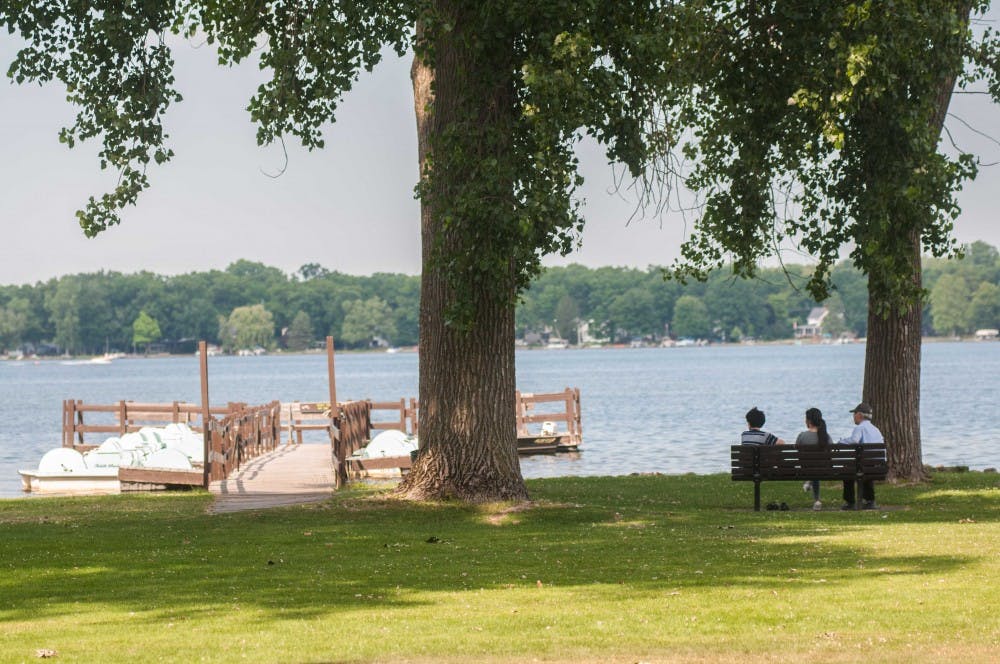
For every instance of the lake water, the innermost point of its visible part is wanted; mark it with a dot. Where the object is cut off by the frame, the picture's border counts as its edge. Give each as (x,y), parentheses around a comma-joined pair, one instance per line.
(670,410)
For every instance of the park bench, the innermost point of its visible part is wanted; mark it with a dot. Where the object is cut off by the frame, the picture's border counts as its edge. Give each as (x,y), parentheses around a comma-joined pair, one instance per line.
(299,417)
(852,463)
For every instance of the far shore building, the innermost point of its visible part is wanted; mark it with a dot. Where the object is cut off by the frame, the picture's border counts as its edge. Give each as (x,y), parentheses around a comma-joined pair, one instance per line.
(587,338)
(813,328)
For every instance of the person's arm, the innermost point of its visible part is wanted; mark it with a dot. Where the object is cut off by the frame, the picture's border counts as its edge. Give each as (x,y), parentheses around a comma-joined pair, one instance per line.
(779,441)
(854,438)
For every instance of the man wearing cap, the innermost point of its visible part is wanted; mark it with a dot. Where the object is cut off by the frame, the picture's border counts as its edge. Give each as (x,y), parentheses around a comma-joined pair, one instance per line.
(864,432)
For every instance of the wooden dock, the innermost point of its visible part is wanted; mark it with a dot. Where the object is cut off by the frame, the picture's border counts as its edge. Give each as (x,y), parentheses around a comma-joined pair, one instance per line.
(289,475)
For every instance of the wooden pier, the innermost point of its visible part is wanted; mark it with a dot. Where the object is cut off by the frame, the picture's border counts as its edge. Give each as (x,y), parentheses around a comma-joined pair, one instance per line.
(247,467)
(289,475)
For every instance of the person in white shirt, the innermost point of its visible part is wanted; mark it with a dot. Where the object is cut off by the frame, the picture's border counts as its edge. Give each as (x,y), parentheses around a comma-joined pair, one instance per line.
(864,432)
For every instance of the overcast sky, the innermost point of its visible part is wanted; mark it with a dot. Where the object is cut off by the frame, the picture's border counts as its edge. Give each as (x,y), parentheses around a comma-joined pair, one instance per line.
(348,207)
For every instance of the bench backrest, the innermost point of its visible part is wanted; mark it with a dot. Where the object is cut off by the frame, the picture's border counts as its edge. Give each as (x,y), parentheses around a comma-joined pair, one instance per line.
(808,462)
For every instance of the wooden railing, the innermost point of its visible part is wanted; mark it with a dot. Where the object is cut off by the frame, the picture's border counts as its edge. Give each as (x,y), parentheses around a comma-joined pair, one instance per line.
(403,418)
(352,431)
(561,408)
(80,419)
(297,417)
(533,413)
(239,436)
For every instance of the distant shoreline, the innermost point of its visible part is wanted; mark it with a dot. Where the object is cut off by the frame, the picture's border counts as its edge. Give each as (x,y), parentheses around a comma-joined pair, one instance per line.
(414,349)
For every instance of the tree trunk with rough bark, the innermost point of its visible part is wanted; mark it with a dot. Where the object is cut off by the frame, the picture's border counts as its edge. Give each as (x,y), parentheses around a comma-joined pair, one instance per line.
(468,442)
(892,379)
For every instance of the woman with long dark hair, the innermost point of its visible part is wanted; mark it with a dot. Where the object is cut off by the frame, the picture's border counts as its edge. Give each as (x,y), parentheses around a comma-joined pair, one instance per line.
(815,434)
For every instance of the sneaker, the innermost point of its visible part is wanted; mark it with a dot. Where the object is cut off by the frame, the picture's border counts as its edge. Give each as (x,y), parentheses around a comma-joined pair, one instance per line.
(807,486)
(772,507)
(783,507)
(847,506)
(817,506)
(869,505)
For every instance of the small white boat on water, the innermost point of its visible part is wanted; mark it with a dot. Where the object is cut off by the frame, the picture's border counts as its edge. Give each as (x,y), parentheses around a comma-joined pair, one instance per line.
(97,359)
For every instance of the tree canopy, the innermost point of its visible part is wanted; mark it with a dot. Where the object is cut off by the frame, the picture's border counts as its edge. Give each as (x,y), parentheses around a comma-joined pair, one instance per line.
(247,328)
(572,68)
(145,330)
(819,123)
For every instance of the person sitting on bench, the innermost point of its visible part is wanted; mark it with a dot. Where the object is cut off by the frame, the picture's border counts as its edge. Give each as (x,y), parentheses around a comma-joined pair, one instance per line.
(864,432)
(815,434)
(754,435)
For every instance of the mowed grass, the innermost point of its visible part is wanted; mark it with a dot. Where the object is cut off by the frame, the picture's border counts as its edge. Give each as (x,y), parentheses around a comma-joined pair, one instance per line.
(623,569)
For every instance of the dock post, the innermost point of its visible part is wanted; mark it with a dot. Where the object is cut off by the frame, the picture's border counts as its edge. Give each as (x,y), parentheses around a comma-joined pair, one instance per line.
(331,376)
(334,415)
(205,415)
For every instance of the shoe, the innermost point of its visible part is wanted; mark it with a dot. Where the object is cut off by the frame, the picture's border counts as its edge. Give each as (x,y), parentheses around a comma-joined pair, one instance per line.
(869,505)
(847,506)
(817,506)
(772,507)
(783,507)
(807,486)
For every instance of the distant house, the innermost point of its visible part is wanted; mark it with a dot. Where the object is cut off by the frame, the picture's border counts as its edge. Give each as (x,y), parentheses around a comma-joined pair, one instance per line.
(814,324)
(987,333)
(585,337)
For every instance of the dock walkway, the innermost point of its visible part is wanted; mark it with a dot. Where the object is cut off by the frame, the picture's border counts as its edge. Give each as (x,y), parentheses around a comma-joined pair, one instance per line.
(289,475)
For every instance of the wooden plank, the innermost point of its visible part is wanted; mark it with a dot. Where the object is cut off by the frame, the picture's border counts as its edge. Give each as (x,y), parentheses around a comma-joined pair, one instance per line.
(546,417)
(299,425)
(288,475)
(389,405)
(97,428)
(539,444)
(165,476)
(533,398)
(357,464)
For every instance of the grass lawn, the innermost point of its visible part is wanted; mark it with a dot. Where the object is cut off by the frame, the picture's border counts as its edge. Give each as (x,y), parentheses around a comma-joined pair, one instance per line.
(624,569)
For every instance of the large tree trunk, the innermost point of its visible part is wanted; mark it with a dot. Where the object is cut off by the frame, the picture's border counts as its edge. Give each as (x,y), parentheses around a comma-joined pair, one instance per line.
(892,356)
(468,443)
(892,379)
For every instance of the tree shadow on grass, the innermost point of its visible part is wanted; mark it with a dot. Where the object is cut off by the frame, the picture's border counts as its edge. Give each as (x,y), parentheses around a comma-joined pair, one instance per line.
(164,557)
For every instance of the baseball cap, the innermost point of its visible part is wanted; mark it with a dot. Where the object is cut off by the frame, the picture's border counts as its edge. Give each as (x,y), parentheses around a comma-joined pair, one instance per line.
(862,408)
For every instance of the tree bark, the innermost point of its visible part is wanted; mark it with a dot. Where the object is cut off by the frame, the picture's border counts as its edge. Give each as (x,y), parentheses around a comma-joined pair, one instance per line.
(892,378)
(467,429)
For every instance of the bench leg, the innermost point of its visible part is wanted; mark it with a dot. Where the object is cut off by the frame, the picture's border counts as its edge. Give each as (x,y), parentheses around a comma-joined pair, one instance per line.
(857,495)
(756,496)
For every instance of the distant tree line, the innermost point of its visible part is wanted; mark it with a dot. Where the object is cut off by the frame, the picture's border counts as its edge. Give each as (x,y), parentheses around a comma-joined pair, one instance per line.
(620,304)
(249,305)
(964,294)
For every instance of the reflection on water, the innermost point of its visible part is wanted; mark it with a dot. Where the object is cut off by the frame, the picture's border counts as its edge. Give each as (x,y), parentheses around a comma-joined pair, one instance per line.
(669,410)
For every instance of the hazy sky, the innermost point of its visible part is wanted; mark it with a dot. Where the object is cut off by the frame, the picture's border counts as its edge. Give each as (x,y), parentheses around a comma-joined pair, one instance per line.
(349,207)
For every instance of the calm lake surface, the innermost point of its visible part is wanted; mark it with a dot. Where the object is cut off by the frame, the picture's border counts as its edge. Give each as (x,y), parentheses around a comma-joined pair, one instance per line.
(670,410)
